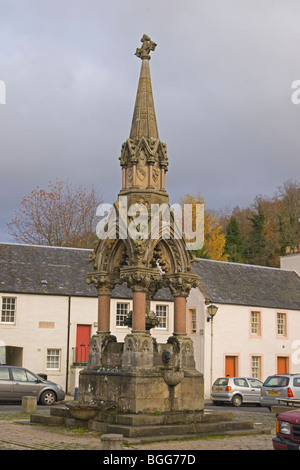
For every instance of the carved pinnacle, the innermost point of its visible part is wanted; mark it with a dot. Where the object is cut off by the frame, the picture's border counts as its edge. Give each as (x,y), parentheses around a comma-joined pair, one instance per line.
(144,51)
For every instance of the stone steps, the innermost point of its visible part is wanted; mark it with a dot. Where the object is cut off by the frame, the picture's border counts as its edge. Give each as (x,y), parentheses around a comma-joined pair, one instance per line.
(141,428)
(158,431)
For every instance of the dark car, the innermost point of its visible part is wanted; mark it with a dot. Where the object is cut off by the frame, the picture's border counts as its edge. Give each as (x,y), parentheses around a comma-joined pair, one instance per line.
(287,431)
(16,382)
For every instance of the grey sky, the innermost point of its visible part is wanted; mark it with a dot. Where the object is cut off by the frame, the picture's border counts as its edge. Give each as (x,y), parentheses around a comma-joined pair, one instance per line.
(221,76)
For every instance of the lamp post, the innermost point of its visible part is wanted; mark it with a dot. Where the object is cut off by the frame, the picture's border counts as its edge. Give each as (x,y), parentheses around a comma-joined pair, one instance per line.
(212,310)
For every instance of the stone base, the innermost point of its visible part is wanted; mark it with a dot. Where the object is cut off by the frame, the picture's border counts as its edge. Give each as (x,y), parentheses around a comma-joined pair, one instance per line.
(141,376)
(143,390)
(142,428)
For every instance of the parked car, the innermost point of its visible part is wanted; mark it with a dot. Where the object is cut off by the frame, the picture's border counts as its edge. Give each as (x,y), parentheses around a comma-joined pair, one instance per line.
(16,382)
(287,431)
(280,386)
(236,390)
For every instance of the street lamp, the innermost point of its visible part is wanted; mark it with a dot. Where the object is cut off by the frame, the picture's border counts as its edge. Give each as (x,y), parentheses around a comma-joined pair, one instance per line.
(212,310)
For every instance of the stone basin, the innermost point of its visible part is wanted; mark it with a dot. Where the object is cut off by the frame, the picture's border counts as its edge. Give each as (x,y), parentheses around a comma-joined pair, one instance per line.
(173,377)
(82,411)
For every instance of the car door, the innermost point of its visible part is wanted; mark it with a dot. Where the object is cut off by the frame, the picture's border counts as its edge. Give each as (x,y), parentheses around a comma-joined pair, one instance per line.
(255,388)
(242,388)
(24,383)
(6,385)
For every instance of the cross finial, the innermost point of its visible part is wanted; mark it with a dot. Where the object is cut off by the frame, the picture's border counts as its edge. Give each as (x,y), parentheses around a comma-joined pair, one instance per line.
(147,46)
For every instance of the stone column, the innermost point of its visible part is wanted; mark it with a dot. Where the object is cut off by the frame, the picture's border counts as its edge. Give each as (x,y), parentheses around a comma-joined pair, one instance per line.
(139,312)
(103,313)
(123,178)
(134,175)
(180,285)
(180,316)
(162,183)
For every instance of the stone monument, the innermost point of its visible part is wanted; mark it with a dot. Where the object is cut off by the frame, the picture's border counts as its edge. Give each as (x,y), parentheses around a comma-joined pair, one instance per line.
(140,375)
(141,390)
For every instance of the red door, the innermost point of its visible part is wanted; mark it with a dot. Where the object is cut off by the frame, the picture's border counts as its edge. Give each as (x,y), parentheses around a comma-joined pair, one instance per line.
(83,343)
(231,366)
(282,365)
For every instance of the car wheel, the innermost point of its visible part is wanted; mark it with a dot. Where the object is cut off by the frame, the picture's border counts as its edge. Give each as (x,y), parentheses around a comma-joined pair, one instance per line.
(237,400)
(48,398)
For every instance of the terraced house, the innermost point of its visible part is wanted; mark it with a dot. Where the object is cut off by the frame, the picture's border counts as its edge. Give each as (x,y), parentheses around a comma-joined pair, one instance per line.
(49,313)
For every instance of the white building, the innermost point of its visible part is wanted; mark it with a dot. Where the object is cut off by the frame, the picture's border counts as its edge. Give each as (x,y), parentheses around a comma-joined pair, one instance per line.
(49,314)
(256,331)
(291,261)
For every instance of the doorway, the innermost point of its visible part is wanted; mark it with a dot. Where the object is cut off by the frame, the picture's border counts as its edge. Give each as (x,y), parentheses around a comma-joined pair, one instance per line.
(82,343)
(231,366)
(282,365)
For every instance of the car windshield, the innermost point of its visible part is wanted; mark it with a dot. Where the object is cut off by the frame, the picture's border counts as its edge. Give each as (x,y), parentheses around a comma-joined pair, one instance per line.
(276,381)
(221,381)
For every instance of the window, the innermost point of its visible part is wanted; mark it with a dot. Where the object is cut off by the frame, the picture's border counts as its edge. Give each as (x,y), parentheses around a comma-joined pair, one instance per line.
(296,382)
(255,383)
(192,319)
(281,324)
(122,312)
(22,375)
(256,367)
(53,358)
(4,373)
(255,323)
(8,310)
(162,315)
(240,382)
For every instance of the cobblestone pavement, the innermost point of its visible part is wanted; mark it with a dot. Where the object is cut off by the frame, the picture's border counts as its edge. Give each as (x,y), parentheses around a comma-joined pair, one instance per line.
(17,433)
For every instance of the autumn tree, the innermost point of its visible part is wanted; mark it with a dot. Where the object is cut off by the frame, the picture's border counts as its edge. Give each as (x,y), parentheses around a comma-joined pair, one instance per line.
(214,239)
(61,215)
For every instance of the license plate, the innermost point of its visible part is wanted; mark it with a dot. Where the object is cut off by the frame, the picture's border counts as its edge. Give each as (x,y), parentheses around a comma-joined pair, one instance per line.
(273,393)
(219,389)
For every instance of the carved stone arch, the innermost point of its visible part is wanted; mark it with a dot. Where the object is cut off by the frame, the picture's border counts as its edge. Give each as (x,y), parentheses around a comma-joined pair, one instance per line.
(118,256)
(162,256)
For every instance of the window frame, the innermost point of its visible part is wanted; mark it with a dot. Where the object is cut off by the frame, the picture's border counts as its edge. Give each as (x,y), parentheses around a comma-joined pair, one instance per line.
(256,375)
(254,334)
(284,334)
(191,312)
(118,314)
(8,311)
(159,327)
(49,356)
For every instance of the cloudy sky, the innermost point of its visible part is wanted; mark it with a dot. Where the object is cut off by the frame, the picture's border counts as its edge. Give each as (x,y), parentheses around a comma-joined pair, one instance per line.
(222,77)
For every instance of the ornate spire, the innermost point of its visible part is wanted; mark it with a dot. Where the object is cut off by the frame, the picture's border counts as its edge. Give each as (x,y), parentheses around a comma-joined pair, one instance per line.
(143,156)
(144,120)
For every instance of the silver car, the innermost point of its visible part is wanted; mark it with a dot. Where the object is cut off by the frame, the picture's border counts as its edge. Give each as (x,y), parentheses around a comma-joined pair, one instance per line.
(16,382)
(280,386)
(236,390)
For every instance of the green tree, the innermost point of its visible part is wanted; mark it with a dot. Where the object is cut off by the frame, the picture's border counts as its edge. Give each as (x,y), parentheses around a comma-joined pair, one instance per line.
(234,245)
(256,243)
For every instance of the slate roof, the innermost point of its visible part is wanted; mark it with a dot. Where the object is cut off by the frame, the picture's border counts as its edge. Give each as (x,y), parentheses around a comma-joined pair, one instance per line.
(23,268)
(243,284)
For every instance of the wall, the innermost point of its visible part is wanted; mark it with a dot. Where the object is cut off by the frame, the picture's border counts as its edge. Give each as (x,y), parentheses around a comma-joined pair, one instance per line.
(41,323)
(232,336)
(291,262)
